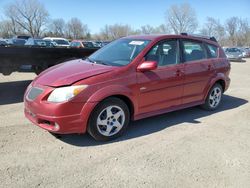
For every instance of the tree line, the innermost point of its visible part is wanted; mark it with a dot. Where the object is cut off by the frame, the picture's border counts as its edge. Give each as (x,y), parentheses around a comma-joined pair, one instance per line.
(31,17)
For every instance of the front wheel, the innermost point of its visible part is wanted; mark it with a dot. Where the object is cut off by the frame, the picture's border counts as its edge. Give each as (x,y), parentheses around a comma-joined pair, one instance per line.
(109,119)
(214,97)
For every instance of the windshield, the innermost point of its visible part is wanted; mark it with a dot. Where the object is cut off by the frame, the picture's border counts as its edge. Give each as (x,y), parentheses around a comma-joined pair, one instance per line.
(119,53)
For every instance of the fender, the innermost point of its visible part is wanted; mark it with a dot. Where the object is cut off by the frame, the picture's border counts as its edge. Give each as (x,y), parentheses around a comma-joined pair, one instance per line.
(218,76)
(112,90)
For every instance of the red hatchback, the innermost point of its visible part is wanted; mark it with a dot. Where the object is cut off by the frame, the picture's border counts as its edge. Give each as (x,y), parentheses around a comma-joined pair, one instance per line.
(129,79)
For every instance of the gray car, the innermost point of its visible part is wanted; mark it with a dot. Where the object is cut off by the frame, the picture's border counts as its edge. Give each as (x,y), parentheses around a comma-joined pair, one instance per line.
(234,54)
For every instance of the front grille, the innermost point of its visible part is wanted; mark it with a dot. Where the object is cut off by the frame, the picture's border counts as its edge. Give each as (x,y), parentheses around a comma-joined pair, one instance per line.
(34,92)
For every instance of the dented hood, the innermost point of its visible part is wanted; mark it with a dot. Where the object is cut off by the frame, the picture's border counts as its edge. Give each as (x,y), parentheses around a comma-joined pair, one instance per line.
(70,72)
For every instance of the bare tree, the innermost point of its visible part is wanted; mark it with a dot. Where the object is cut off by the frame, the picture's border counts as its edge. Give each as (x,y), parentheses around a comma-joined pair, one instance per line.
(111,32)
(243,36)
(8,29)
(147,29)
(212,27)
(162,29)
(76,29)
(30,15)
(182,18)
(57,27)
(232,26)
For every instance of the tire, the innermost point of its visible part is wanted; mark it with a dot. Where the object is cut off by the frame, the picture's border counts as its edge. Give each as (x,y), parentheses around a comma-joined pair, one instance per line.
(214,98)
(109,119)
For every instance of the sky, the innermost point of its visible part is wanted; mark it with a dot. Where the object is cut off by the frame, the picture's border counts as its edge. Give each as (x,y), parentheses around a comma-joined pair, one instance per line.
(97,13)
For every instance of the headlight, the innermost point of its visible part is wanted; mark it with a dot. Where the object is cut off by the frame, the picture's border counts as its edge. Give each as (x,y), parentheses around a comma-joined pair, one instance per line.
(63,94)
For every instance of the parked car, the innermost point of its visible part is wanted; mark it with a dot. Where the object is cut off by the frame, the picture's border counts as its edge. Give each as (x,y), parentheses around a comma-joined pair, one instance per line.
(16,42)
(25,37)
(61,42)
(245,52)
(131,78)
(90,44)
(3,43)
(234,54)
(76,44)
(40,43)
(102,43)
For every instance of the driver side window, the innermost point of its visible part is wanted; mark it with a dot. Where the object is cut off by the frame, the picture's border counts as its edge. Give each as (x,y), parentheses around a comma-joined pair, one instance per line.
(164,53)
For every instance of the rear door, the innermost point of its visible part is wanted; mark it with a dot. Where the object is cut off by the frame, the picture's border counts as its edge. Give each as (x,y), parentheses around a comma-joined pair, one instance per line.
(162,88)
(198,70)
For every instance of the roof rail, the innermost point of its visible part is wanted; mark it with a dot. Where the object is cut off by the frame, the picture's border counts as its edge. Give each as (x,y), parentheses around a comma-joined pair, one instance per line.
(200,36)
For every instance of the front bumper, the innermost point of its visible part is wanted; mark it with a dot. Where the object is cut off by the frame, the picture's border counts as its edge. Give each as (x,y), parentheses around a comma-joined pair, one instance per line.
(235,58)
(61,118)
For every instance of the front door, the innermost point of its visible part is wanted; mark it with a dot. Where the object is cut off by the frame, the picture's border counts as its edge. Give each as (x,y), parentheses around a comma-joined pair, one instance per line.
(162,88)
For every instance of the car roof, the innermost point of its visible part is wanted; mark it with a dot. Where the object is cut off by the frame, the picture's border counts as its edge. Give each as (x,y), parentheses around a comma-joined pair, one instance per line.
(76,41)
(164,36)
(54,38)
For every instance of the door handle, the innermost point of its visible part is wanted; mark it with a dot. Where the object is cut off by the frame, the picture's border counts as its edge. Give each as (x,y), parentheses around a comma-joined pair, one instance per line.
(209,67)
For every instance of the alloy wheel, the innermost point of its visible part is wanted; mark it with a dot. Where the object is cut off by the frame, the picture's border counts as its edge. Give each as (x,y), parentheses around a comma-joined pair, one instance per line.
(110,121)
(215,97)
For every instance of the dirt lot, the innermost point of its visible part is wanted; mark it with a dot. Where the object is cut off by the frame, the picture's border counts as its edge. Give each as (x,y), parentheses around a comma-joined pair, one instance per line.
(187,148)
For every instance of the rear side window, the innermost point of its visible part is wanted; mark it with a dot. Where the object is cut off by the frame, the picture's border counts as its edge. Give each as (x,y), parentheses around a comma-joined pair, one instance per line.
(213,51)
(193,51)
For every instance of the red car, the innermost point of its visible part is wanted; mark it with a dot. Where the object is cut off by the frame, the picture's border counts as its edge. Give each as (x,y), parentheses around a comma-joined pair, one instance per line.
(77,44)
(129,79)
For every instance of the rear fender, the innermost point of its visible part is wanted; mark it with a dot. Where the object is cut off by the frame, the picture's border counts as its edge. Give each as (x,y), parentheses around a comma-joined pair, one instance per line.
(218,77)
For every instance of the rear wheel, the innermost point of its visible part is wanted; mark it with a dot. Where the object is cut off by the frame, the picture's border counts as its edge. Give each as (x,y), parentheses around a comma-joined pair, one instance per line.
(109,119)
(214,97)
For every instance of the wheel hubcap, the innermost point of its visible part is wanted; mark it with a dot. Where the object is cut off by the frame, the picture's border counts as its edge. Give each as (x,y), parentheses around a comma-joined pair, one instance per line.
(215,97)
(110,121)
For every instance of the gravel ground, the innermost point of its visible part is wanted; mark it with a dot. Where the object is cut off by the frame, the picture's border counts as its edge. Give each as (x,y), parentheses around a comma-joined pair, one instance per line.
(187,148)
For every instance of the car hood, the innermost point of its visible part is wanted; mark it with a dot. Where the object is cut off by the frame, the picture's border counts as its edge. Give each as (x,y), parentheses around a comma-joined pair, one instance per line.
(70,72)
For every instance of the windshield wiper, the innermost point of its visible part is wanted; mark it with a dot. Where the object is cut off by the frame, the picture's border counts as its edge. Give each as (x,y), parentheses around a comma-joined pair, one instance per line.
(90,60)
(103,63)
(97,61)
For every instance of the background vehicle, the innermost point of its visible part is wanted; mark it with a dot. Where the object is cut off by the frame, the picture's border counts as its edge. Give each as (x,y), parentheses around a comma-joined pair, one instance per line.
(90,44)
(3,43)
(16,42)
(37,59)
(25,37)
(102,43)
(234,54)
(132,78)
(245,52)
(40,43)
(76,44)
(61,42)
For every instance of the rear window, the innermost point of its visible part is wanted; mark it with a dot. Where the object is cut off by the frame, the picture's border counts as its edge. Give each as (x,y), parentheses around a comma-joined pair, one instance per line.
(213,51)
(193,51)
(232,50)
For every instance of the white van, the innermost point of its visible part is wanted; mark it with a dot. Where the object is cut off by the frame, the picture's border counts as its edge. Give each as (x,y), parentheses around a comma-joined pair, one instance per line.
(59,41)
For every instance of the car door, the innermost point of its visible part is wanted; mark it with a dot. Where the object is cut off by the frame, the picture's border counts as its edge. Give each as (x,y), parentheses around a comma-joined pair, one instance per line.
(198,70)
(162,88)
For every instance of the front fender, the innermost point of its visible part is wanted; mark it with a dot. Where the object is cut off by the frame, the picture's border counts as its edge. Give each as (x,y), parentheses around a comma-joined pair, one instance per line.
(113,90)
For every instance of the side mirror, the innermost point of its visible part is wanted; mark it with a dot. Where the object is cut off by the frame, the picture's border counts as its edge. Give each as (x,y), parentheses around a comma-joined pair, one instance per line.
(147,66)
